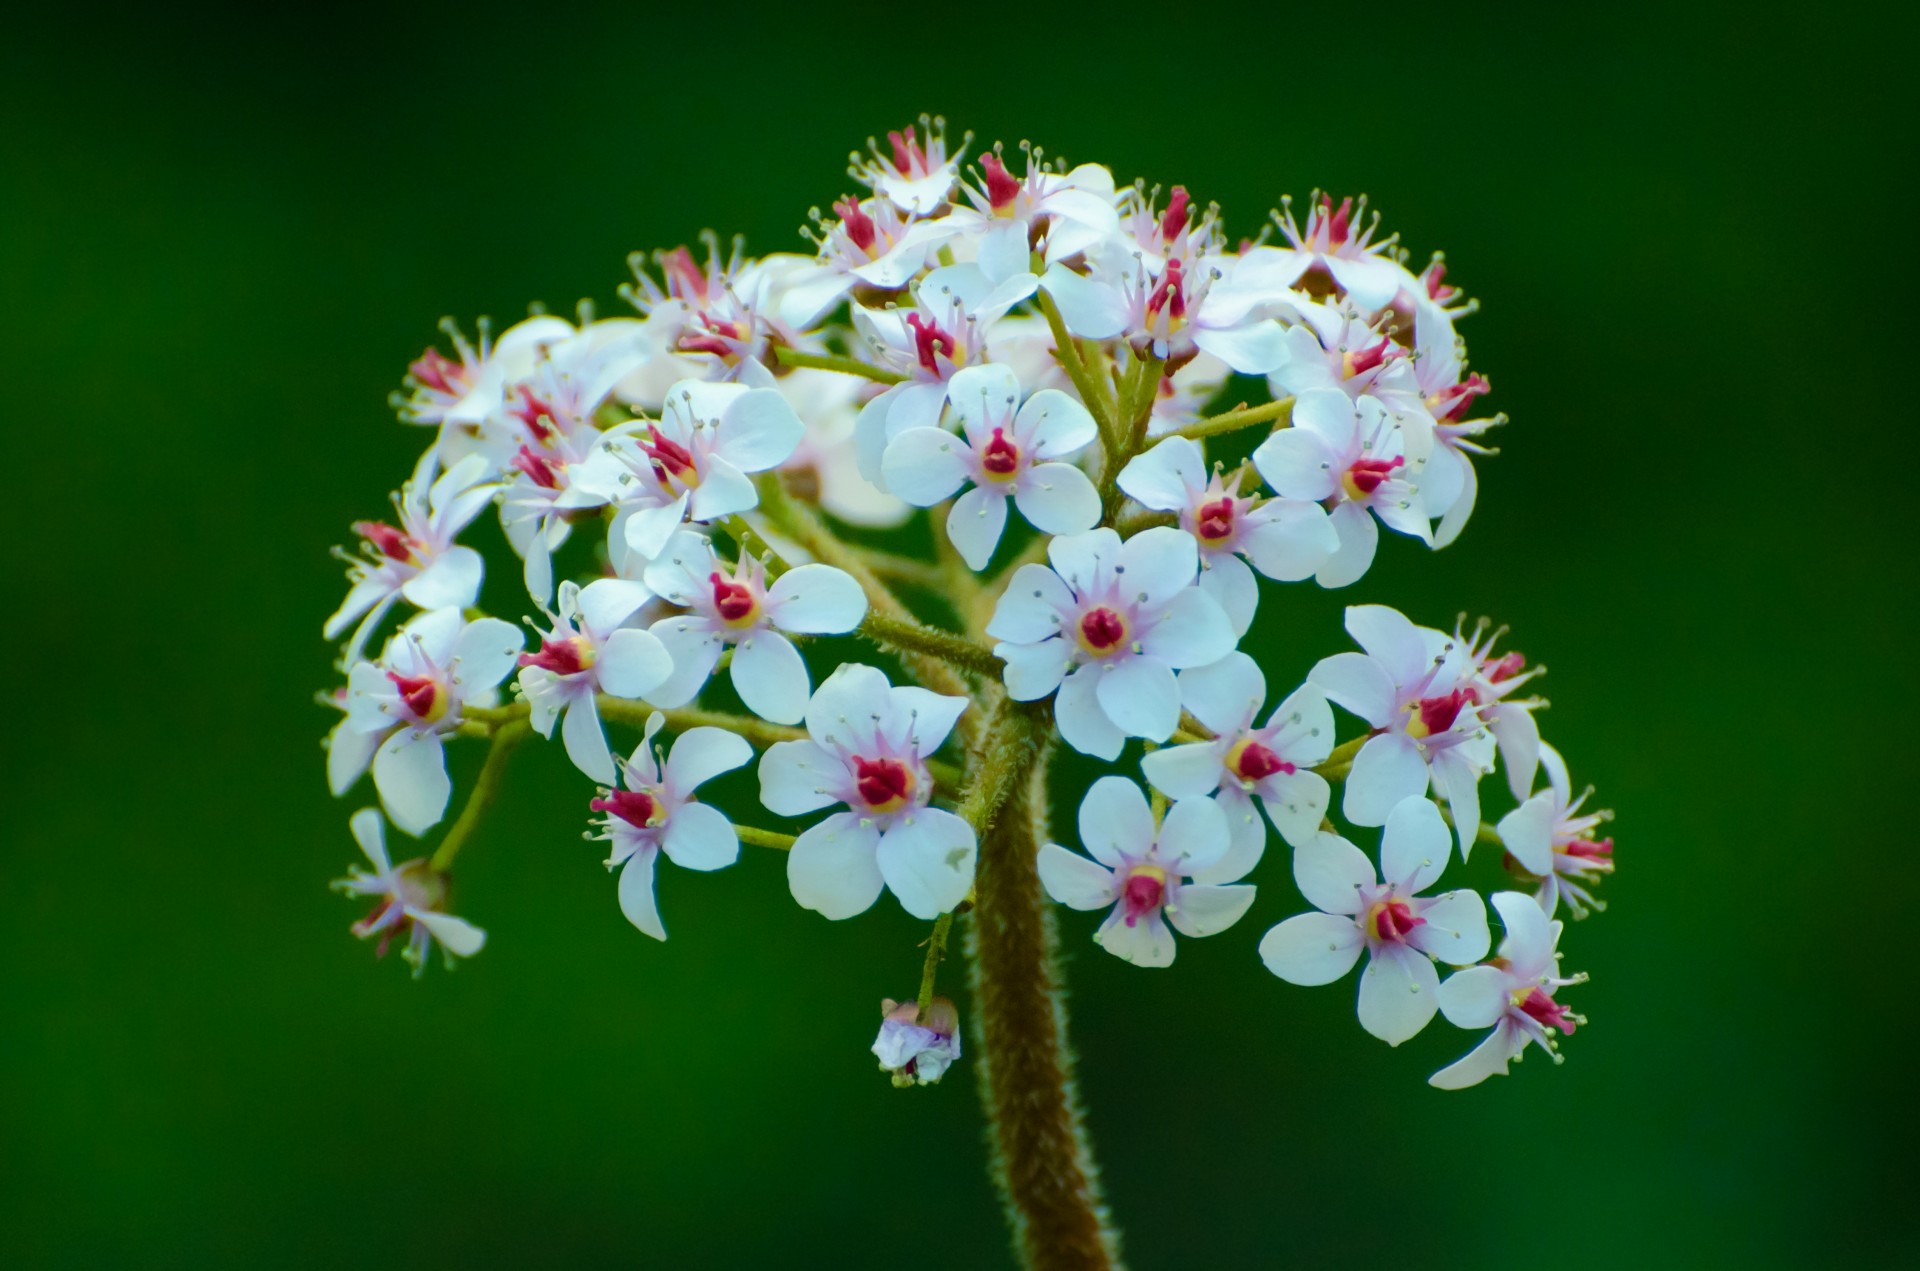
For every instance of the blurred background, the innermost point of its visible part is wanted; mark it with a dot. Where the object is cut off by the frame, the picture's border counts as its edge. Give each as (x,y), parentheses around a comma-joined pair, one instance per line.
(223,236)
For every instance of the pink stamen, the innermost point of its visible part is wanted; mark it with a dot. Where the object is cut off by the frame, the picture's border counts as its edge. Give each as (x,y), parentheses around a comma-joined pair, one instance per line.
(1394,921)
(1506,668)
(535,414)
(1214,521)
(907,155)
(1457,400)
(544,472)
(1169,293)
(1365,360)
(670,458)
(1001,457)
(1141,895)
(857,224)
(1367,475)
(1002,186)
(685,281)
(1438,291)
(1337,224)
(1174,220)
(733,600)
(435,370)
(388,541)
(1589,849)
(1257,762)
(1102,628)
(417,692)
(1437,714)
(1540,1005)
(636,807)
(881,782)
(562,657)
(929,341)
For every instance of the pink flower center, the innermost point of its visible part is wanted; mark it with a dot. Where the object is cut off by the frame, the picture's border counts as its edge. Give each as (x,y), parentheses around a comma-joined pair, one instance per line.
(857,224)
(562,657)
(536,414)
(1102,630)
(1393,921)
(389,542)
(1540,1006)
(929,341)
(883,784)
(1365,476)
(543,471)
(1506,668)
(670,459)
(437,371)
(1143,892)
(1002,186)
(1437,290)
(1169,294)
(1335,224)
(1251,761)
(685,281)
(1589,849)
(1174,220)
(735,601)
(1436,714)
(421,695)
(1214,521)
(1366,359)
(1001,458)
(636,807)
(908,157)
(1451,404)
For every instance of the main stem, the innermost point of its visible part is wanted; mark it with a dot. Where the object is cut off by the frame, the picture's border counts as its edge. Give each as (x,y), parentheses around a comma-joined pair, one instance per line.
(1042,1161)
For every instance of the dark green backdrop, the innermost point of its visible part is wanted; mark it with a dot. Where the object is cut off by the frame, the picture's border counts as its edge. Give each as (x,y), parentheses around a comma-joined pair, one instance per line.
(223,236)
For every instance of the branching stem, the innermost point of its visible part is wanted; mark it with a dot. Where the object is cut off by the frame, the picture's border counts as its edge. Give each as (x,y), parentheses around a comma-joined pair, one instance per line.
(486,788)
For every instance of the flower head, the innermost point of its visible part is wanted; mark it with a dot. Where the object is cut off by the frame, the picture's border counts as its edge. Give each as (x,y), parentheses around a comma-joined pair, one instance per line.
(410,901)
(1549,838)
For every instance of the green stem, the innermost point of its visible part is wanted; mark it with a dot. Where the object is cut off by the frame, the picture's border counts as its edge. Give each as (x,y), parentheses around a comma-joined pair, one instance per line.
(835,362)
(1093,393)
(1485,834)
(754,837)
(936,954)
(1278,413)
(909,636)
(1340,762)
(485,790)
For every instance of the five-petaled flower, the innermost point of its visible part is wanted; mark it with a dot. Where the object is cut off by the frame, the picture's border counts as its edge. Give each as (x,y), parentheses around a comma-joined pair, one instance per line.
(1513,993)
(590,650)
(1549,838)
(410,903)
(1153,873)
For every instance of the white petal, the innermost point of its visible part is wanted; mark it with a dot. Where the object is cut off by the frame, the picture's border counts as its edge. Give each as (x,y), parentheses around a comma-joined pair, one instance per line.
(1393,641)
(1224,695)
(797,777)
(632,663)
(1530,937)
(771,677)
(845,706)
(1251,349)
(1165,477)
(1146,943)
(1357,682)
(1231,585)
(723,490)
(933,715)
(370,832)
(648,529)
(1488,1059)
(1054,424)
(1312,949)
(831,868)
(1359,540)
(1075,881)
(586,742)
(452,579)
(1185,772)
(1115,822)
(606,604)
(1527,832)
(816,600)
(1246,838)
(1159,563)
(758,431)
(974,525)
(486,652)
(636,894)
(1296,804)
(1458,782)
(1291,541)
(1057,498)
(1085,561)
(694,648)
(1193,836)
(1190,630)
(1083,723)
(1206,910)
(1297,464)
(458,936)
(1518,733)
(1387,771)
(699,836)
(926,465)
(1415,847)
(927,860)
(1397,993)
(1141,697)
(1330,873)
(410,771)
(349,751)
(1091,310)
(1033,670)
(701,754)
(1029,610)
(1475,997)
(680,571)
(1456,928)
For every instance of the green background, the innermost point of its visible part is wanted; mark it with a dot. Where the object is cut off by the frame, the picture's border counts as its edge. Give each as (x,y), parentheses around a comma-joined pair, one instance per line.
(222,236)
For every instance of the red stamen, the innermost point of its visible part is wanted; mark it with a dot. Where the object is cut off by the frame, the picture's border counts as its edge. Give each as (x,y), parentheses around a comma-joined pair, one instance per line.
(1589,849)
(1001,457)
(1214,521)
(670,458)
(544,471)
(733,600)
(1540,1005)
(1256,762)
(929,341)
(1002,186)
(562,657)
(534,413)
(1437,714)
(1366,475)
(417,692)
(1365,360)
(685,281)
(636,807)
(857,224)
(1175,218)
(1394,921)
(907,155)
(1338,223)
(1506,668)
(882,783)
(389,542)
(437,371)
(1437,291)
(1169,293)
(1102,628)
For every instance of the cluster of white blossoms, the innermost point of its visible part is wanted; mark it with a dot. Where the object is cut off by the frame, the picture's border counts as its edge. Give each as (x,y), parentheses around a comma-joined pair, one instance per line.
(1029,352)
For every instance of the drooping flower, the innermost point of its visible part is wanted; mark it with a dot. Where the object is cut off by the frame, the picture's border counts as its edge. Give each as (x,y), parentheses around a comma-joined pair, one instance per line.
(737,609)
(1355,458)
(1108,626)
(1273,762)
(691,463)
(1509,718)
(417,558)
(1175,872)
(1450,484)
(590,650)
(1401,931)
(1001,455)
(917,1053)
(1513,993)
(399,708)
(411,901)
(1285,539)
(869,748)
(657,812)
(1335,250)
(1414,686)
(1550,839)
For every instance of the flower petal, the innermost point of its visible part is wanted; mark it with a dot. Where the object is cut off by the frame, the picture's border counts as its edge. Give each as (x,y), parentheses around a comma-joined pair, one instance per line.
(1029,610)
(1455,929)
(771,677)
(1075,881)
(831,868)
(1330,873)
(1186,772)
(1116,822)
(927,859)
(1082,721)
(410,771)
(699,836)
(632,663)
(926,465)
(1415,847)
(975,523)
(1141,697)
(1397,993)
(797,777)
(1387,771)
(1358,683)
(586,741)
(1166,477)
(1312,949)
(1205,909)
(636,894)
(701,754)
(1057,498)
(816,600)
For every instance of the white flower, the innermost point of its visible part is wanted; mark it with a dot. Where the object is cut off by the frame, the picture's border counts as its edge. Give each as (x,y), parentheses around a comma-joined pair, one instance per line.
(916,1053)
(1550,838)
(1002,455)
(590,650)
(1121,617)
(1285,539)
(1187,303)
(1340,348)
(404,703)
(1449,483)
(742,611)
(457,397)
(1058,214)
(1414,685)
(1274,762)
(411,901)
(690,464)
(657,812)
(1151,875)
(1513,994)
(1401,931)
(1339,248)
(919,173)
(1354,455)
(1510,719)
(418,558)
(823,469)
(870,742)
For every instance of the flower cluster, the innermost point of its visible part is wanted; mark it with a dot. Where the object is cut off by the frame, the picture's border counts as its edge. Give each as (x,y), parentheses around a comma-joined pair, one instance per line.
(1023,355)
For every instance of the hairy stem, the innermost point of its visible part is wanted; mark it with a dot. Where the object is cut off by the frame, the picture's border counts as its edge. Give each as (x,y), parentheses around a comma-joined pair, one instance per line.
(835,362)
(1042,1161)
(1242,416)
(909,636)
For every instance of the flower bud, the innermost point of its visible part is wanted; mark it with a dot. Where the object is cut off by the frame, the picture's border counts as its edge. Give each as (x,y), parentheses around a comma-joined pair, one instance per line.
(917,1053)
